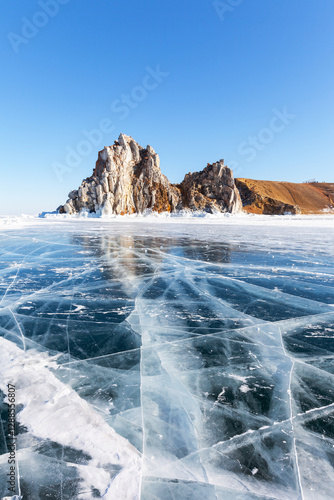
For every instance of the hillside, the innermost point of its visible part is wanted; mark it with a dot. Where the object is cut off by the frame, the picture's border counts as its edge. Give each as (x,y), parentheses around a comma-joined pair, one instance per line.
(273,197)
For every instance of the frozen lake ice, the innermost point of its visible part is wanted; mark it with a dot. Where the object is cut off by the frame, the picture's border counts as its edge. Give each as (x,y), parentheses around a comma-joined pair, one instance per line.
(169,359)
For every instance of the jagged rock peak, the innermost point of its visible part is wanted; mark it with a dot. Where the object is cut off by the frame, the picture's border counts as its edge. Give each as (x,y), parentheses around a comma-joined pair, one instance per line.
(213,190)
(127,179)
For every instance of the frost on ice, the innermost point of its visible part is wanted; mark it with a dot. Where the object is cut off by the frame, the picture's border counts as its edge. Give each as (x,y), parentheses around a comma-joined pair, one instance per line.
(168,361)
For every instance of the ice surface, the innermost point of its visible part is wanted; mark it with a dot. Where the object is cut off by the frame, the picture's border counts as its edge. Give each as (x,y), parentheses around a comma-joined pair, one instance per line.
(190,359)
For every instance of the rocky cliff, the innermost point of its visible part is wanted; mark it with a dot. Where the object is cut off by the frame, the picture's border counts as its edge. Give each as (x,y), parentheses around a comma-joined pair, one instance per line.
(127,179)
(212,190)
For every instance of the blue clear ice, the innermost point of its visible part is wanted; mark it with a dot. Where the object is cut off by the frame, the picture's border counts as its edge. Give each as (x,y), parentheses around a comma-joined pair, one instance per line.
(168,361)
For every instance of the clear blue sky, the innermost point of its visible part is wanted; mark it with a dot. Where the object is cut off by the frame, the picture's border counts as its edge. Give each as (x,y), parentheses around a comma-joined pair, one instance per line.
(229,67)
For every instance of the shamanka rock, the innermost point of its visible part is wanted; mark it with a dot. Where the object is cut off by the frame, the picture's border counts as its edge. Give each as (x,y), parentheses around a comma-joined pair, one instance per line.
(127,179)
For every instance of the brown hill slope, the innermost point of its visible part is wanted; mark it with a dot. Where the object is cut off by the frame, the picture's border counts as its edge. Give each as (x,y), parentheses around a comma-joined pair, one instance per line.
(272,197)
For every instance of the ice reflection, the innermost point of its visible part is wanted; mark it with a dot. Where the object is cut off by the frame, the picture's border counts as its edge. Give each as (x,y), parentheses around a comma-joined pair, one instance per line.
(164,365)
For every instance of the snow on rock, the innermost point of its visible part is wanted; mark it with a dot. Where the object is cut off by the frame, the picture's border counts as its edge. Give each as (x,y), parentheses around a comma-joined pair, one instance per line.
(127,179)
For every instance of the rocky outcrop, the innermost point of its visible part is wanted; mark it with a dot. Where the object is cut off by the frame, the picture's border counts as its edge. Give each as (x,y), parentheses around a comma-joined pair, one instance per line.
(212,190)
(127,179)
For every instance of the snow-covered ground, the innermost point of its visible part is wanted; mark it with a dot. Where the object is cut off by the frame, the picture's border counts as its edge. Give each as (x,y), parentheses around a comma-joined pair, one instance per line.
(325,220)
(169,357)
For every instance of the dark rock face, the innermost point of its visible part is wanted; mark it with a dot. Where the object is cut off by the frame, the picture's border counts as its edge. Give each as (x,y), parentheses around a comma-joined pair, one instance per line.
(127,179)
(213,190)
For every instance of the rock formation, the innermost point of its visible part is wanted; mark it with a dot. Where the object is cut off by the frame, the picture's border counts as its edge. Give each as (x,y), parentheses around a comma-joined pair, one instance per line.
(127,179)
(212,190)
